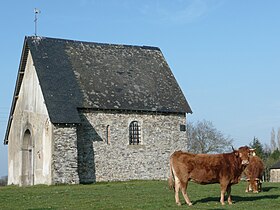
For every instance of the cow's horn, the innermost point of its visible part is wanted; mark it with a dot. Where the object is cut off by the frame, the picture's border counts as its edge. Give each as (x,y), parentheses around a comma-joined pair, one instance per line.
(232,148)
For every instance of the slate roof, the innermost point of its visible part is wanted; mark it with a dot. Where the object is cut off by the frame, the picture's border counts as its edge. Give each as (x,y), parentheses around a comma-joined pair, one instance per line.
(276,165)
(76,74)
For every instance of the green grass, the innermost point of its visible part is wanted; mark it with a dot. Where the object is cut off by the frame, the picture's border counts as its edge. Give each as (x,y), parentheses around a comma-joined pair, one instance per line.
(133,195)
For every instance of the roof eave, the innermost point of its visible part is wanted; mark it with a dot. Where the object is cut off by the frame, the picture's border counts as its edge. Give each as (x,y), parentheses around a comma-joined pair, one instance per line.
(20,75)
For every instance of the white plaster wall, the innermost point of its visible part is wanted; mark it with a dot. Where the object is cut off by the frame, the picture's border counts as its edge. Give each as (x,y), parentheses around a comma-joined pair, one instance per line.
(30,113)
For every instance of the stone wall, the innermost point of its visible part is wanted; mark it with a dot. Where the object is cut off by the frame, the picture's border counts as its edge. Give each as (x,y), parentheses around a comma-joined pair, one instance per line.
(104,153)
(274,175)
(64,156)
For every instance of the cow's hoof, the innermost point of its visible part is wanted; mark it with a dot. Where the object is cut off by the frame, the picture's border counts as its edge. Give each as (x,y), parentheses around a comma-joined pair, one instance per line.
(190,204)
(178,204)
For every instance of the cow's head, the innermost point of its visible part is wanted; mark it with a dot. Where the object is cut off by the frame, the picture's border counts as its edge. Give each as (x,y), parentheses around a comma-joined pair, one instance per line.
(244,153)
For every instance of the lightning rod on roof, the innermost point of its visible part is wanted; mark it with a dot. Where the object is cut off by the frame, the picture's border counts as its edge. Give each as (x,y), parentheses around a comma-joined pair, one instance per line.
(36,12)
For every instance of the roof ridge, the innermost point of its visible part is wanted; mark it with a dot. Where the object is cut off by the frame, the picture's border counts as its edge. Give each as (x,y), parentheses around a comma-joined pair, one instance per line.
(95,43)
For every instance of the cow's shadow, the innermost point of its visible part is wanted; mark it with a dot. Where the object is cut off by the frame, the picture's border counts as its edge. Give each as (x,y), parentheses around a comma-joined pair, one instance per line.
(253,198)
(237,199)
(266,189)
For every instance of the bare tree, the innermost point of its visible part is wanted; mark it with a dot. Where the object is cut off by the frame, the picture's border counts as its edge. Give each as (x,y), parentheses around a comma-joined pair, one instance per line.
(272,140)
(203,137)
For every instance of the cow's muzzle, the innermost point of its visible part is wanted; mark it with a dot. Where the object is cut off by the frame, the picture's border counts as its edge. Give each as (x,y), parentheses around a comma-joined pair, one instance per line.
(245,162)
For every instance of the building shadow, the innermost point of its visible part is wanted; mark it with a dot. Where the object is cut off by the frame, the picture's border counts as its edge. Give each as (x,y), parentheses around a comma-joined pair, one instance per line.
(86,135)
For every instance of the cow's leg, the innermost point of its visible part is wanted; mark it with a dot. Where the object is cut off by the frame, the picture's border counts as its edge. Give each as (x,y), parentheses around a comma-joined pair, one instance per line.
(222,200)
(229,194)
(252,185)
(247,188)
(260,186)
(255,186)
(177,188)
(223,191)
(184,192)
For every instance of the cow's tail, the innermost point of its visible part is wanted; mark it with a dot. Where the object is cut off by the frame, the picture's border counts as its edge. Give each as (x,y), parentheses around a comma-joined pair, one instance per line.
(171,177)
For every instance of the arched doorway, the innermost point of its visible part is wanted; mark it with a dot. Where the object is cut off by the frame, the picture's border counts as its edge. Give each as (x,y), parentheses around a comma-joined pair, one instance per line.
(27,159)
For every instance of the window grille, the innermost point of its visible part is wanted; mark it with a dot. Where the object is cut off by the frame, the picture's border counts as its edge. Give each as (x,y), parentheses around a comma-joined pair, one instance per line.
(134,133)
(182,127)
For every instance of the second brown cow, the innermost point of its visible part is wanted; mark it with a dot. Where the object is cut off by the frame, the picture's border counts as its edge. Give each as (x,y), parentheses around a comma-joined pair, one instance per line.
(225,169)
(254,172)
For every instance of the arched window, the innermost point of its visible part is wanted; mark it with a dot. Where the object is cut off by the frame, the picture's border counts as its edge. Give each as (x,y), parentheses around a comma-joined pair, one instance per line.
(134,133)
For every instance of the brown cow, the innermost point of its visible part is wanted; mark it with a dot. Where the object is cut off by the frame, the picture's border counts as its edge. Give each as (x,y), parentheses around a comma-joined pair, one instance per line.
(254,172)
(225,169)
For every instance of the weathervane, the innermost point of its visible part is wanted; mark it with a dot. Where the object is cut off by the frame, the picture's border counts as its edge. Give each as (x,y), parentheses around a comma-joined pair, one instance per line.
(36,12)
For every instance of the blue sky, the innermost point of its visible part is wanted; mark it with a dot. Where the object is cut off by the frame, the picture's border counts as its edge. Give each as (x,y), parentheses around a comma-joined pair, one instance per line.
(225,54)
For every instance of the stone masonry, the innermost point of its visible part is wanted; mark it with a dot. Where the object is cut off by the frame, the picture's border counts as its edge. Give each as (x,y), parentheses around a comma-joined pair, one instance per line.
(104,153)
(65,165)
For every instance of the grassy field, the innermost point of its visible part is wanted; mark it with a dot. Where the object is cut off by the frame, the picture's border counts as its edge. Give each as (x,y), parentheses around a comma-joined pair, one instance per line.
(133,195)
